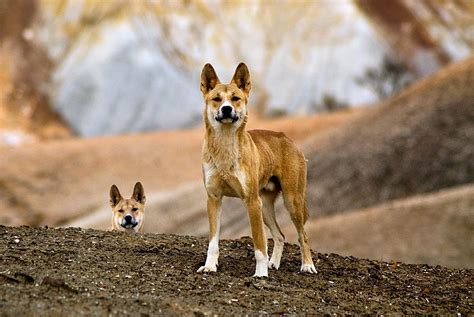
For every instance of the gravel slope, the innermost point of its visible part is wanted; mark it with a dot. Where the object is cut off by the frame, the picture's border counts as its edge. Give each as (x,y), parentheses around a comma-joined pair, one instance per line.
(78,272)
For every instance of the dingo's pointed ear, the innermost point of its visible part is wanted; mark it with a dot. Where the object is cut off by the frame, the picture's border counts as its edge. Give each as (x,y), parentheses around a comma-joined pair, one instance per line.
(139,193)
(209,79)
(115,196)
(242,78)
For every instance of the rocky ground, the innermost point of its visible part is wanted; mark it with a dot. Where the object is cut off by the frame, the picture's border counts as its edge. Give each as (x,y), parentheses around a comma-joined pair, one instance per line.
(87,272)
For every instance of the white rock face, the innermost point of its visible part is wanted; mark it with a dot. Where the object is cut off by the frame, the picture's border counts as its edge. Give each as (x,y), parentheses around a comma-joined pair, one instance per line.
(15,137)
(142,73)
(121,84)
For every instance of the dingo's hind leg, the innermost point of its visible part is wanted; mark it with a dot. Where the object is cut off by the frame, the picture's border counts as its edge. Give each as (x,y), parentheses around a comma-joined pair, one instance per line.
(268,201)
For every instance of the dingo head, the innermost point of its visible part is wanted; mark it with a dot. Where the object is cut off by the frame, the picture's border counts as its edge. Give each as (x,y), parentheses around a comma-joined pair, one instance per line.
(226,104)
(128,214)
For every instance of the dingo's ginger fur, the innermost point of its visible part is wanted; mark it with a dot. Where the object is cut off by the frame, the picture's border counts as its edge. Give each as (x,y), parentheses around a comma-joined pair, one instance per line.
(254,165)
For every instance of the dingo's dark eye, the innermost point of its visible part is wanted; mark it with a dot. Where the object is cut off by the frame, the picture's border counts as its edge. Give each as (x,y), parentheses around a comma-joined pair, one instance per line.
(235,98)
(120,210)
(217,99)
(134,209)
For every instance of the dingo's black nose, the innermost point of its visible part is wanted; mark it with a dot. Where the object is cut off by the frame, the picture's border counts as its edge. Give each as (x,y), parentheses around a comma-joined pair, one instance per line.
(128,218)
(226,110)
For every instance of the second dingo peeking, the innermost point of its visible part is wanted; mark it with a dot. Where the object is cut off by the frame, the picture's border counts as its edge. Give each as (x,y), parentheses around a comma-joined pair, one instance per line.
(254,165)
(128,214)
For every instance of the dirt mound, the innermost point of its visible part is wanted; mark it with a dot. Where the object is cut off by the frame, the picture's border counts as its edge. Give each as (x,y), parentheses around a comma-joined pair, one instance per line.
(434,228)
(418,141)
(54,182)
(87,272)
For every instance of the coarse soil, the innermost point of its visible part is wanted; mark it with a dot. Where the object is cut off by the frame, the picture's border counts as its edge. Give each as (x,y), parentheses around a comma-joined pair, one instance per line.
(78,272)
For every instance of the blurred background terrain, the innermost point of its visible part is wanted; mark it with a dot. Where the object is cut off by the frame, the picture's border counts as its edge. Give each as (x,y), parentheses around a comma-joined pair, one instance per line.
(378,94)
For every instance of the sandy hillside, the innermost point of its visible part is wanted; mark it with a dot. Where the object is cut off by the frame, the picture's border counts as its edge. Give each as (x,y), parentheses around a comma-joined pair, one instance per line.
(55,182)
(74,272)
(434,228)
(418,141)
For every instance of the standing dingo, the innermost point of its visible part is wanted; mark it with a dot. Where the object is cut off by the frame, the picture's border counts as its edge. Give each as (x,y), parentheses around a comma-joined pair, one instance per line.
(254,165)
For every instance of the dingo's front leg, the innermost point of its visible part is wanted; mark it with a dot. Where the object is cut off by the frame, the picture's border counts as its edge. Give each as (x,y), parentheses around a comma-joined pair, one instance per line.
(214,213)
(254,209)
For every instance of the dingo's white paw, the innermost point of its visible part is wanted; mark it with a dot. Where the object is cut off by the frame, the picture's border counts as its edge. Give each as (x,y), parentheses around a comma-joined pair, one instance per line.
(205,269)
(260,274)
(274,264)
(308,268)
